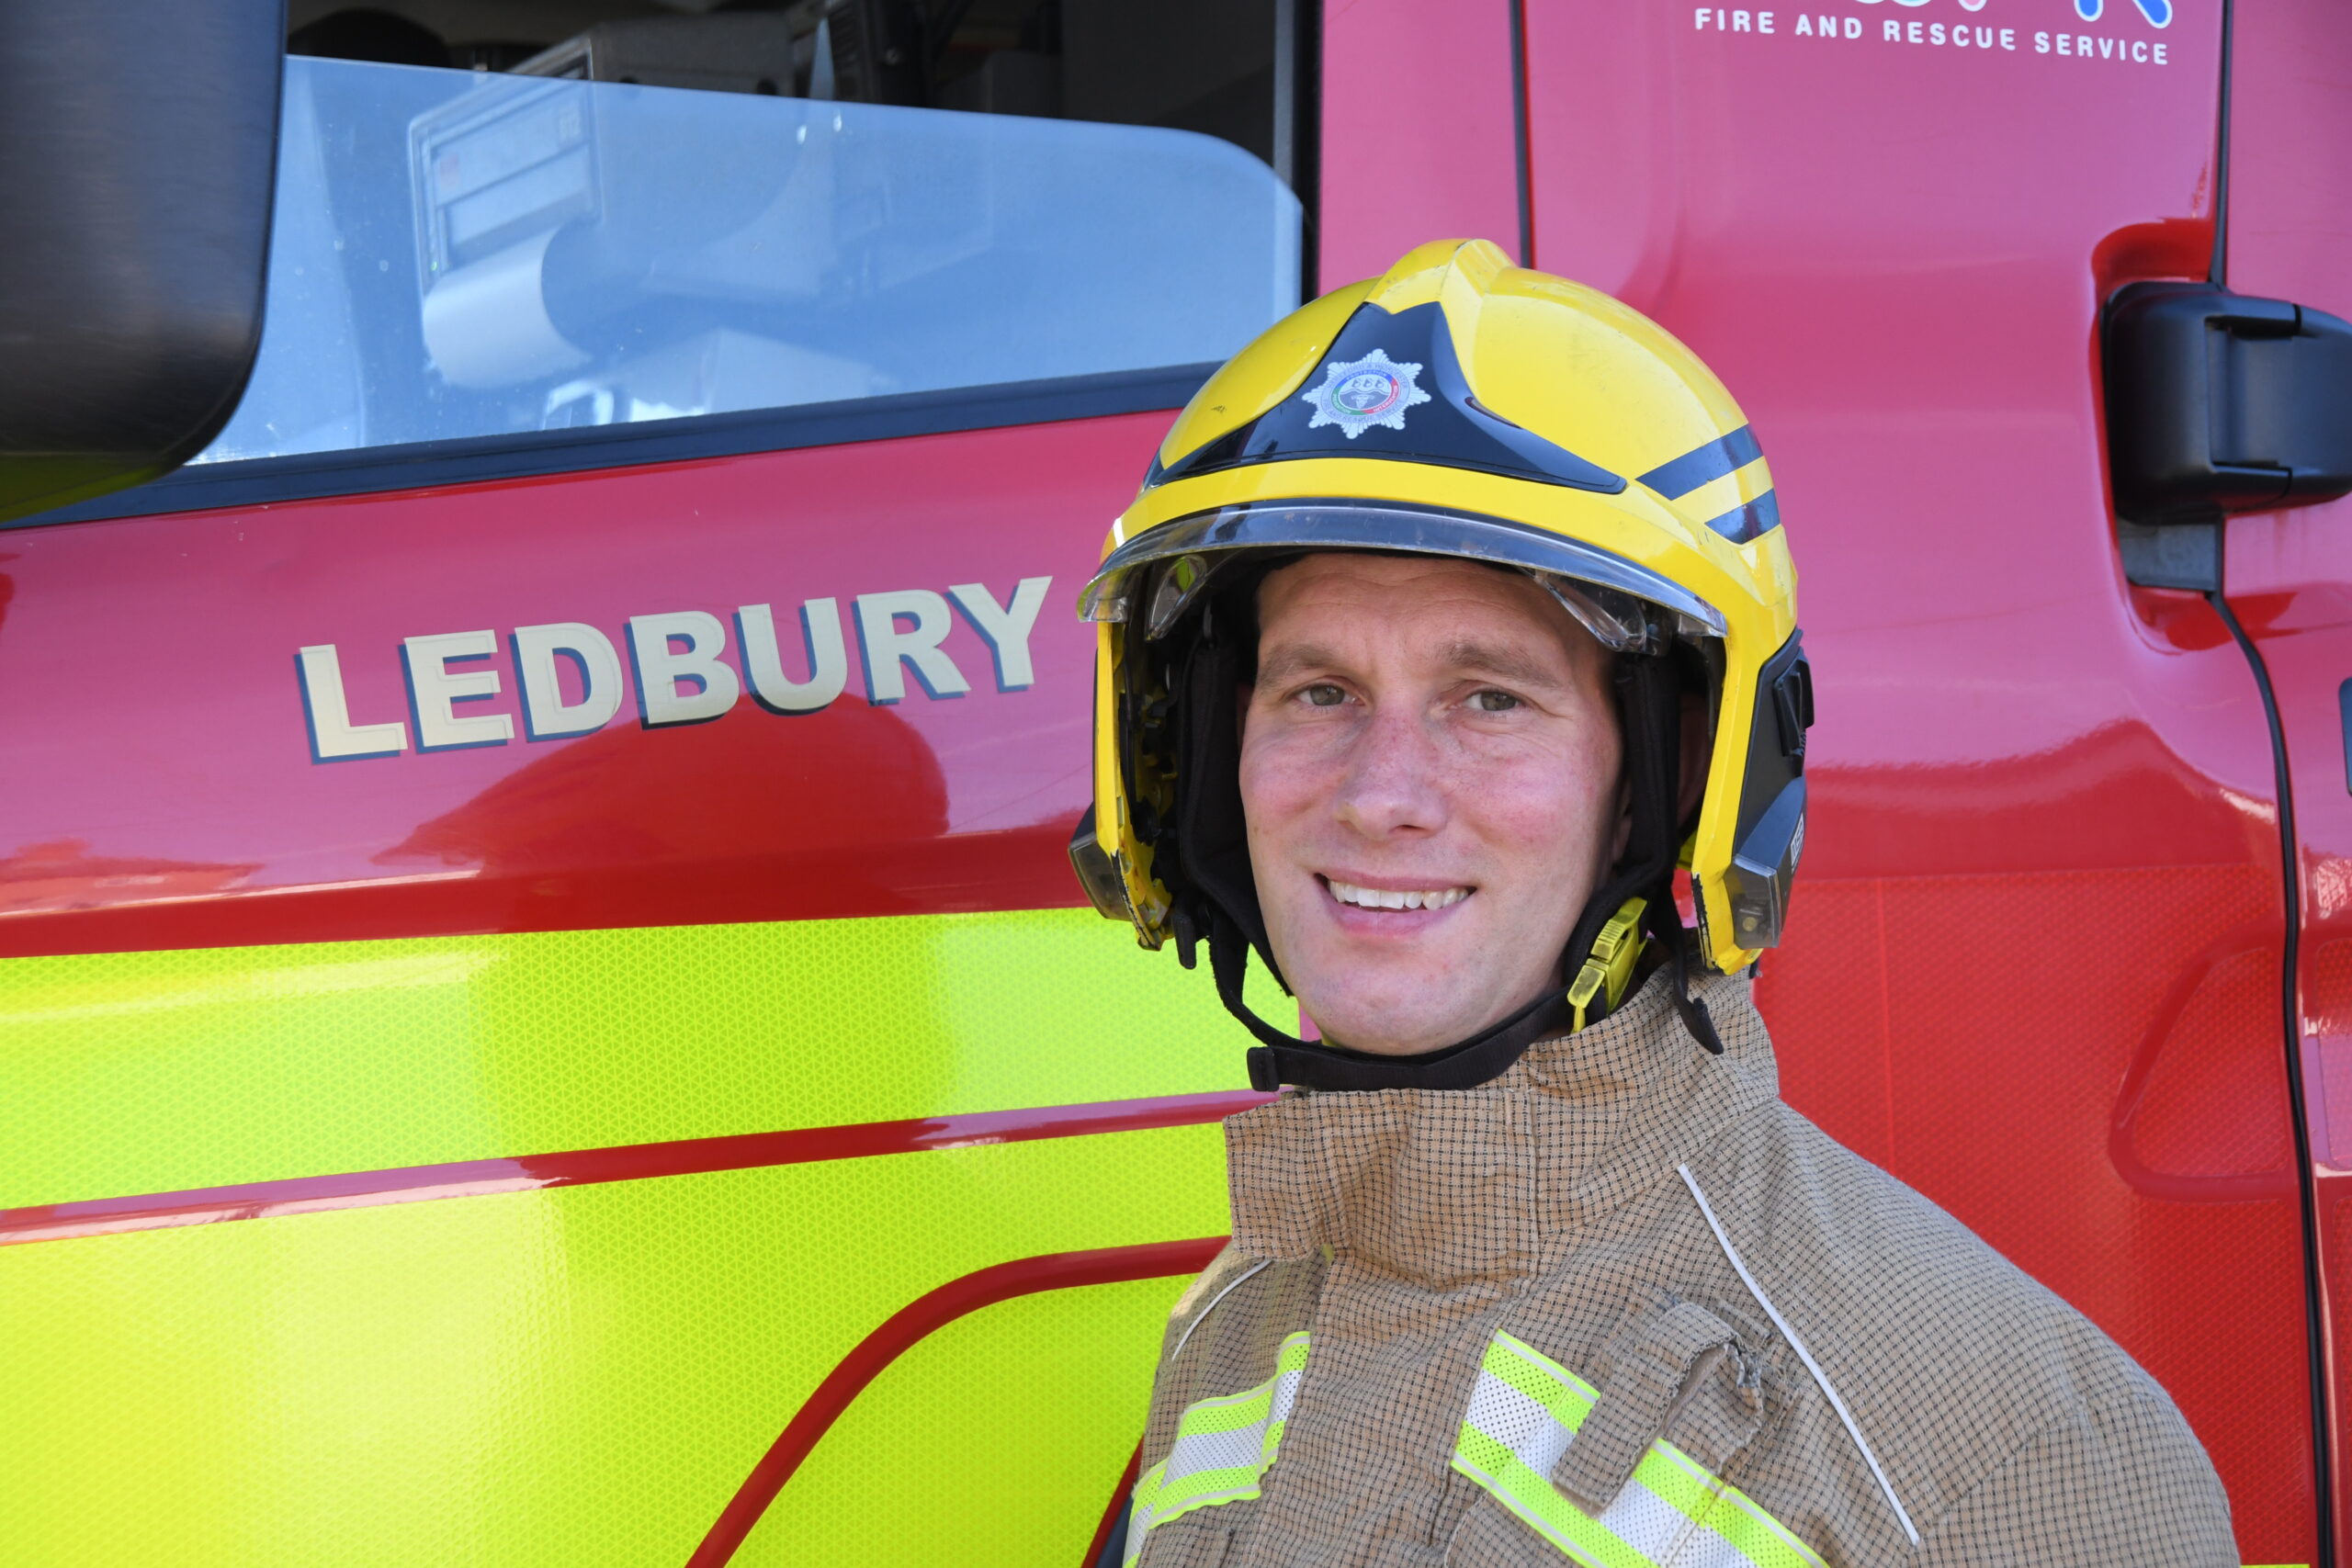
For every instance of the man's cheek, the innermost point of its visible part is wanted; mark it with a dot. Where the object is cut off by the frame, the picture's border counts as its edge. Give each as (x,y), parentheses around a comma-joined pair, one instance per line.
(1287,799)
(1547,829)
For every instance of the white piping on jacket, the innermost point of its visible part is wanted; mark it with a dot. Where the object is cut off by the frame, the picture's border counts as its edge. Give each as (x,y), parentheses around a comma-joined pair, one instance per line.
(1796,1344)
(1205,1311)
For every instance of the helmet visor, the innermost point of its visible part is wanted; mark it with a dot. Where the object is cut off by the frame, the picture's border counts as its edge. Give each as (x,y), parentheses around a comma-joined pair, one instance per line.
(1154,577)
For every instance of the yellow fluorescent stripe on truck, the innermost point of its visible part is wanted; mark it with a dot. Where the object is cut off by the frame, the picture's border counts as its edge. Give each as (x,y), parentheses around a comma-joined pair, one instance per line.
(154,1072)
(586,1375)
(583,1375)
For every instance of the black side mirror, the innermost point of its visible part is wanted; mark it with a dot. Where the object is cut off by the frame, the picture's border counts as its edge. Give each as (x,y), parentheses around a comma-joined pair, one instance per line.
(138,158)
(2217,402)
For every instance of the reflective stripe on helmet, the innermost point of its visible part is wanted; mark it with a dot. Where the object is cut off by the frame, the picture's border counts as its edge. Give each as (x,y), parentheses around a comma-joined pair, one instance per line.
(1222,1449)
(1524,1412)
(1704,464)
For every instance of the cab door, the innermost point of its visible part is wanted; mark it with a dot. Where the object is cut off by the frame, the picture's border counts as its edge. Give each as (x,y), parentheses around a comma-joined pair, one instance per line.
(2034,964)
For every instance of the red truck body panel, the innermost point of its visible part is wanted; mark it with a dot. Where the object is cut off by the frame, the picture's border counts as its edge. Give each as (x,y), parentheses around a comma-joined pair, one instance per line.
(218,827)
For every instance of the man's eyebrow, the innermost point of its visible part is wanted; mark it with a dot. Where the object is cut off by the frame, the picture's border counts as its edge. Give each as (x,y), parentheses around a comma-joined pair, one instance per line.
(1504,664)
(1291,661)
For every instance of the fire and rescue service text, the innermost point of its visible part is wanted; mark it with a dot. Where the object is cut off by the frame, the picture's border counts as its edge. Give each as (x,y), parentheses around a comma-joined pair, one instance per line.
(1964,34)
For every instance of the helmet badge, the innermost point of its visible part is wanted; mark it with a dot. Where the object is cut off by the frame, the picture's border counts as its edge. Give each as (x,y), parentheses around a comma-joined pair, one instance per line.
(1360,393)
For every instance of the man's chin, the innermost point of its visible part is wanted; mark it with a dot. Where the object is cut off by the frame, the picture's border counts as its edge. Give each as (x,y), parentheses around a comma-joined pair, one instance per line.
(1400,1031)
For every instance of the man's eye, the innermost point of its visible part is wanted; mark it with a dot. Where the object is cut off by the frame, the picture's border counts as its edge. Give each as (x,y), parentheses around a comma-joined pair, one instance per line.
(1324,695)
(1493,702)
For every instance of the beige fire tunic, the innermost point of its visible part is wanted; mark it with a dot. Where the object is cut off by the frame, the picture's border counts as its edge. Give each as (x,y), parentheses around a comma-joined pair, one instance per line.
(1621,1307)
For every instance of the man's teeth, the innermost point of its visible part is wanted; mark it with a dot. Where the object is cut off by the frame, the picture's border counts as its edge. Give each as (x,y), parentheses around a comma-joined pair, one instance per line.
(1393,898)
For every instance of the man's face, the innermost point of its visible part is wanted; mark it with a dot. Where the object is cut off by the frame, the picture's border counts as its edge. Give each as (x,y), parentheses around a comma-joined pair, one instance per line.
(1438,735)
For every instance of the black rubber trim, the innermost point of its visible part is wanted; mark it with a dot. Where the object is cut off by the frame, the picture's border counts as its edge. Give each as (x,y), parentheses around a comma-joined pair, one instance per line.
(2217,271)
(366,470)
(1524,175)
(2290,863)
(1306,146)
(1115,1545)
(2344,711)
(2323,1500)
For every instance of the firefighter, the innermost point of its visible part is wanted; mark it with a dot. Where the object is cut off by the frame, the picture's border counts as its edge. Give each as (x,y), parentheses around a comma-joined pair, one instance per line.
(1454,617)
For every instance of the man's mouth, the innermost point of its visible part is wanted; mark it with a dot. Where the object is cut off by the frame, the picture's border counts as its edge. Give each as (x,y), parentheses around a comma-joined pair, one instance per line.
(1394,897)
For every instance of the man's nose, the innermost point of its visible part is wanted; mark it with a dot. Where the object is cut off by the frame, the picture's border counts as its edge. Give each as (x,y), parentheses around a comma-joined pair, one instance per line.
(1391,784)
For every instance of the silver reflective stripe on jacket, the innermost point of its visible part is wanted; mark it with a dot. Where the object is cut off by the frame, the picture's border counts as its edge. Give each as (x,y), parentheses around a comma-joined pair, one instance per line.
(1524,1412)
(1222,1451)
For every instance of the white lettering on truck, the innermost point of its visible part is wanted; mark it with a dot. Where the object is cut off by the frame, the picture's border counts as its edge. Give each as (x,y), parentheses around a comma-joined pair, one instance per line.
(569,677)
(334,737)
(1932,34)
(589,652)
(889,651)
(435,691)
(680,679)
(1005,630)
(820,634)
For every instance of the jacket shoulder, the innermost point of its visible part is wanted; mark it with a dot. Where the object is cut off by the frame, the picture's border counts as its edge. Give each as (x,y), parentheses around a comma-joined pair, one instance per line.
(1958,1367)
(1226,1334)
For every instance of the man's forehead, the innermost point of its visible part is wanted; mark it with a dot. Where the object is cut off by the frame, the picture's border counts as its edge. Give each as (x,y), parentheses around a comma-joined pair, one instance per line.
(1429,589)
(1325,608)
(1385,568)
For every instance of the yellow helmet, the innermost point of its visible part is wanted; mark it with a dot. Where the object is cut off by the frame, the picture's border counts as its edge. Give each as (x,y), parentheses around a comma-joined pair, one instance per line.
(1459,406)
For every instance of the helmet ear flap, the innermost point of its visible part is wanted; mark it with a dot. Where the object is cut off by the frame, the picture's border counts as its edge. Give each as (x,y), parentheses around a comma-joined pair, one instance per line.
(1650,704)
(1649,718)
(1204,860)
(1208,873)
(1637,894)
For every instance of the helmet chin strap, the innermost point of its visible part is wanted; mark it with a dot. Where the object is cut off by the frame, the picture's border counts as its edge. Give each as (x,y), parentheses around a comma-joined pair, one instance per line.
(1284,1059)
(1636,897)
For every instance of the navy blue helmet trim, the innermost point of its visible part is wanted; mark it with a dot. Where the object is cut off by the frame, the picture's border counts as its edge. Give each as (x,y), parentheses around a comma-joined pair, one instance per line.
(1704,465)
(1749,520)
(1451,429)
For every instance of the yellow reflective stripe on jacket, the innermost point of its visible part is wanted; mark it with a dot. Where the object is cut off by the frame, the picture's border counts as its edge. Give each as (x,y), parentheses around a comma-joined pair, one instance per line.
(1222,1449)
(1524,1412)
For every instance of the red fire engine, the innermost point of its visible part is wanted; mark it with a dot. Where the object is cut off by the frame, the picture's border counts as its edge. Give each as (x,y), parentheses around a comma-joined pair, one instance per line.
(547,1019)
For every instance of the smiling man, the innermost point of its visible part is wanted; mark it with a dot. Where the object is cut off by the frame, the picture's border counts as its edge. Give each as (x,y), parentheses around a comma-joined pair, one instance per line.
(1454,619)
(1429,771)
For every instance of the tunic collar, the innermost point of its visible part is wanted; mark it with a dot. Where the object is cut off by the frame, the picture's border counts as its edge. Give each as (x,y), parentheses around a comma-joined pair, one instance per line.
(1456,1187)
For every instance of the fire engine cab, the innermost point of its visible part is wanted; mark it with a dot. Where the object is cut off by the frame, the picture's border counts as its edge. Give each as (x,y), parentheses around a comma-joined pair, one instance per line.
(546,1018)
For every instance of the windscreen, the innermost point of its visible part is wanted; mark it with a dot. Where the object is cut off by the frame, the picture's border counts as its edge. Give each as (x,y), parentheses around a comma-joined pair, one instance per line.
(462,253)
